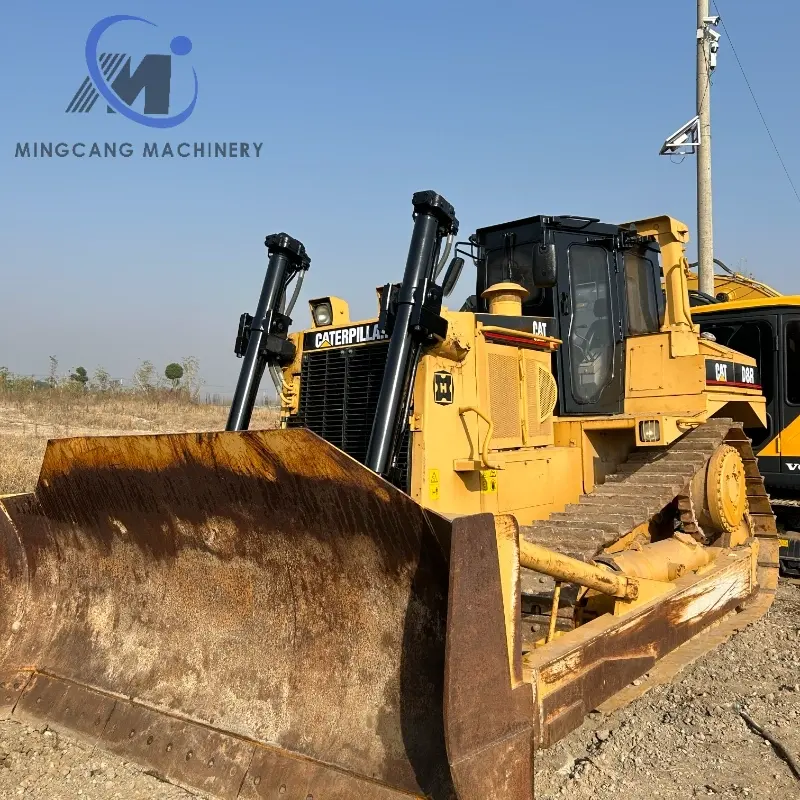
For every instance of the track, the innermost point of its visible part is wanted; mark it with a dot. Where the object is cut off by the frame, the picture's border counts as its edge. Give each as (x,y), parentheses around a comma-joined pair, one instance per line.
(650,485)
(785,502)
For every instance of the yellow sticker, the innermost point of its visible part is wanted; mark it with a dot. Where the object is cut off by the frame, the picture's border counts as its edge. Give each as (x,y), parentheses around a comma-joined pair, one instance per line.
(783,542)
(433,484)
(489,481)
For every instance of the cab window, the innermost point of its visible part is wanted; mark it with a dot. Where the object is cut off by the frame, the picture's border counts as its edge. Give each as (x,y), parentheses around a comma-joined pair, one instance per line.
(512,261)
(641,293)
(793,362)
(752,339)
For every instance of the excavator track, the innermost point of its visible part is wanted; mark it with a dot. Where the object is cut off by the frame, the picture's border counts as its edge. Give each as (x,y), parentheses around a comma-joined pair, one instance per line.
(650,483)
(785,502)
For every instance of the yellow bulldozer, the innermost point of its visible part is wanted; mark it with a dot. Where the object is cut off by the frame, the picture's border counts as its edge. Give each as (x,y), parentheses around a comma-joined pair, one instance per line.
(472,528)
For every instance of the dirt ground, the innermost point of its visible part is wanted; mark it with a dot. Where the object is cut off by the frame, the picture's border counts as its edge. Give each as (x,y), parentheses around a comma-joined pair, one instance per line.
(687,739)
(680,741)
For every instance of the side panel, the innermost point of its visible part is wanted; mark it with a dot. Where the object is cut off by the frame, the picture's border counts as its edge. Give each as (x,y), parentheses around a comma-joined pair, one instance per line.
(440,435)
(537,483)
(654,381)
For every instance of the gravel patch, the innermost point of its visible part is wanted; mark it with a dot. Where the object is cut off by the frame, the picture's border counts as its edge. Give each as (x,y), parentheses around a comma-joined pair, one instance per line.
(39,763)
(680,741)
(687,739)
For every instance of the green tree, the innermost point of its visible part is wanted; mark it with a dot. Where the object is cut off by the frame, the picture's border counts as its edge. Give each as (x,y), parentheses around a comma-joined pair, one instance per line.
(174,373)
(80,376)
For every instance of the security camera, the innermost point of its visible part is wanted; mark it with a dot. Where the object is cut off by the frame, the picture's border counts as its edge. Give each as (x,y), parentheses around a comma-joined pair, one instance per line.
(712,20)
(713,35)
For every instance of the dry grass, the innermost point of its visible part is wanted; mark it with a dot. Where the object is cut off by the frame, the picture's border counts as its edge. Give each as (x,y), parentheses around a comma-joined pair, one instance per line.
(20,459)
(27,423)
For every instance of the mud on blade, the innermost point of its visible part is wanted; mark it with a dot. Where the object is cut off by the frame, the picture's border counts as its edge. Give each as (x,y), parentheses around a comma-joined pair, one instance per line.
(239,611)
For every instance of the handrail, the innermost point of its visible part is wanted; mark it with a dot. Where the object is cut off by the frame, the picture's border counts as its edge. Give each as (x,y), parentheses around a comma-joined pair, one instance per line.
(484,450)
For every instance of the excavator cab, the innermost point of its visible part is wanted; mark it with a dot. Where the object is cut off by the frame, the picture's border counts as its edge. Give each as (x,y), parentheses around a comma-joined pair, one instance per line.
(767,328)
(471,529)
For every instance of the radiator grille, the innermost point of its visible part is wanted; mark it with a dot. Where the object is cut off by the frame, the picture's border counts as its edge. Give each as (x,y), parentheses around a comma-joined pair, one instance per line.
(339,391)
(548,393)
(540,388)
(504,397)
(532,391)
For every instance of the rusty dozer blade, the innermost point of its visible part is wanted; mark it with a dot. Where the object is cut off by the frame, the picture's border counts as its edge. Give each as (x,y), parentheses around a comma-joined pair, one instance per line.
(257,615)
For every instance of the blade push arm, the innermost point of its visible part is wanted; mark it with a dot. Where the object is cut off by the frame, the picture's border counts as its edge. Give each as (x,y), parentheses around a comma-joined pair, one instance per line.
(416,319)
(262,338)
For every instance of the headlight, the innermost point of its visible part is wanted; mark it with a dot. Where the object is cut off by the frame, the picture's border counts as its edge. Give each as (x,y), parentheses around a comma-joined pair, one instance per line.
(328,310)
(323,314)
(650,430)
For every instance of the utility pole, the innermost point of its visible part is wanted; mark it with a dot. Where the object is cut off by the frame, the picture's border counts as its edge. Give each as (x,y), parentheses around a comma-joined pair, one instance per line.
(705,230)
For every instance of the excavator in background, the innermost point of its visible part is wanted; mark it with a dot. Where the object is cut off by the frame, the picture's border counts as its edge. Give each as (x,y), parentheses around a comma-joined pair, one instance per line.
(342,608)
(729,285)
(755,319)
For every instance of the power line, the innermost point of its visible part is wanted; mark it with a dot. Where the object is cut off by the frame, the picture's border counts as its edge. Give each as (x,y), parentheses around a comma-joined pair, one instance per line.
(758,107)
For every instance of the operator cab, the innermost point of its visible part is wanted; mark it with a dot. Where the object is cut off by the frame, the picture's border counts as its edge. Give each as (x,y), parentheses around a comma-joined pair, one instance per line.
(588,283)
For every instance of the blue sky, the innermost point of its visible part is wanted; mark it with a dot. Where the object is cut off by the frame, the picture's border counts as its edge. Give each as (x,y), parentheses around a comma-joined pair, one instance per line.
(508,109)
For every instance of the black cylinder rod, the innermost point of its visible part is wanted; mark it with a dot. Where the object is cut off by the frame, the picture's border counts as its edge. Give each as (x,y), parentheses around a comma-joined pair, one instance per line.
(434,217)
(285,255)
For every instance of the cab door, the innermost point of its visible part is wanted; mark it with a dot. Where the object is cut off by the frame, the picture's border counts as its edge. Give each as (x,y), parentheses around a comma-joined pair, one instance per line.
(790,423)
(592,356)
(758,336)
